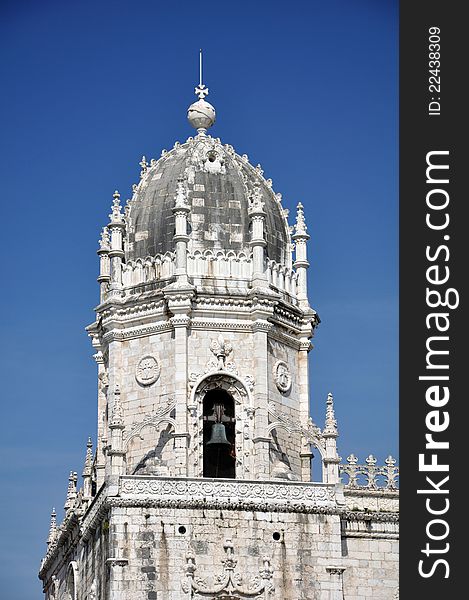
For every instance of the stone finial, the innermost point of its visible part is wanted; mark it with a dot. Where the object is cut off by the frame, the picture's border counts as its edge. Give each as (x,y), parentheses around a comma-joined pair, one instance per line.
(143,166)
(71,490)
(104,242)
(330,428)
(371,460)
(53,528)
(300,225)
(352,459)
(88,458)
(116,215)
(201,114)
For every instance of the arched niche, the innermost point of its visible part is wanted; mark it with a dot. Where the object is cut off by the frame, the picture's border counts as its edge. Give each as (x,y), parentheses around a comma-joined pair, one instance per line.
(238,391)
(219,434)
(71,581)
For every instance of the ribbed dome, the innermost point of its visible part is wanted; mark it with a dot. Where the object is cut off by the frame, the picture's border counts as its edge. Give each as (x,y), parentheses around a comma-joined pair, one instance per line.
(219,184)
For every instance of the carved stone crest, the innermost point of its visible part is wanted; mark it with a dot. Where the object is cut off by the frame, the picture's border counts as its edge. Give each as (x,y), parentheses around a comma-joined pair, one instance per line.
(147,371)
(282,376)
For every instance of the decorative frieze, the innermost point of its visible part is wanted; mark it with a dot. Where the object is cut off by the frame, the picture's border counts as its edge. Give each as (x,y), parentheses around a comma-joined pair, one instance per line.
(229,492)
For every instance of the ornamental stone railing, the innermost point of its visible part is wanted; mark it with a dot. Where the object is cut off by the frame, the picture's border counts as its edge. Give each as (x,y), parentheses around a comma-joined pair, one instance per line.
(375,477)
(220,493)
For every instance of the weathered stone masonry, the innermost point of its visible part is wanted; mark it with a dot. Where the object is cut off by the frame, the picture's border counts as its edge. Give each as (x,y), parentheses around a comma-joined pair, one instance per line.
(199,484)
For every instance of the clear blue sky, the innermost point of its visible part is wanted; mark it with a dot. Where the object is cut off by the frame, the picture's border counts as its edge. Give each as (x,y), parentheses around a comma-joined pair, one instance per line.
(308,89)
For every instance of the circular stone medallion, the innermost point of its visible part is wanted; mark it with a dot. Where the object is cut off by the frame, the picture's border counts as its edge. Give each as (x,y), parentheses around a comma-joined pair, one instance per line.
(148,370)
(282,376)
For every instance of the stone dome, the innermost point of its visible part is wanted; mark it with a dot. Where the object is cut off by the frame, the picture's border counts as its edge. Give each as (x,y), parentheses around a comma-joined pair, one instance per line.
(220,184)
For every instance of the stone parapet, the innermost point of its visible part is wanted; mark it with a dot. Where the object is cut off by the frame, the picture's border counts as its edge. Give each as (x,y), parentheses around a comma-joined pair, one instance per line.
(384,501)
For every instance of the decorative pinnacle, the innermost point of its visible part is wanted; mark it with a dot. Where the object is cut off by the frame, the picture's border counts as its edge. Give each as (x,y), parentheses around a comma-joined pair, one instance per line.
(300,226)
(144,166)
(88,458)
(331,423)
(116,215)
(201,114)
(71,490)
(53,527)
(104,242)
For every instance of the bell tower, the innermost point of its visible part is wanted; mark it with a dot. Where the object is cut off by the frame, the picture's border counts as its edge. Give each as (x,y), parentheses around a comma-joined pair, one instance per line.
(203,329)
(200,482)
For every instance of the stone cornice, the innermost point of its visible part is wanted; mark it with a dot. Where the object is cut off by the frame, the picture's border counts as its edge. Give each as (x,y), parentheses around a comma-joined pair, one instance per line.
(145,310)
(135,332)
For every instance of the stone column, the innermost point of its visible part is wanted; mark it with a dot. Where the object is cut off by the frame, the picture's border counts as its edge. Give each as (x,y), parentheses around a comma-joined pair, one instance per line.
(301,263)
(87,470)
(179,304)
(103,384)
(116,451)
(116,254)
(180,210)
(330,434)
(303,398)
(260,328)
(258,243)
(104,264)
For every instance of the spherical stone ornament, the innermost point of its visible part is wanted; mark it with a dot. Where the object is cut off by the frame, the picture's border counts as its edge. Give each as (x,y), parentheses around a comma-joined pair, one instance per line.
(201,114)
(147,371)
(282,376)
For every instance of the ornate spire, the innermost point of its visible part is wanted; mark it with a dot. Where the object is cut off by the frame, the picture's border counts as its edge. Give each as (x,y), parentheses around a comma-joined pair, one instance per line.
(87,471)
(331,424)
(201,114)
(71,490)
(88,458)
(300,225)
(104,242)
(116,214)
(53,528)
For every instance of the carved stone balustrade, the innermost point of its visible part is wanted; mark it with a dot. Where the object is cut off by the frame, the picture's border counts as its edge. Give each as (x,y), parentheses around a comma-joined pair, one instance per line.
(376,477)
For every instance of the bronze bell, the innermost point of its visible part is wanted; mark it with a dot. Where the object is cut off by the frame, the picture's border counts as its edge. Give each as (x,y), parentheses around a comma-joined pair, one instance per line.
(218,435)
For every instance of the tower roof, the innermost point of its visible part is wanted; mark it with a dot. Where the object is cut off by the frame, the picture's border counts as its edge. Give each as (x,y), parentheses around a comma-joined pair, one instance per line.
(220,185)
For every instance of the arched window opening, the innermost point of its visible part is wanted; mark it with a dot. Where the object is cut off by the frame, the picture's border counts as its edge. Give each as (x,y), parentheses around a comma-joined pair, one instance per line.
(219,435)
(70,593)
